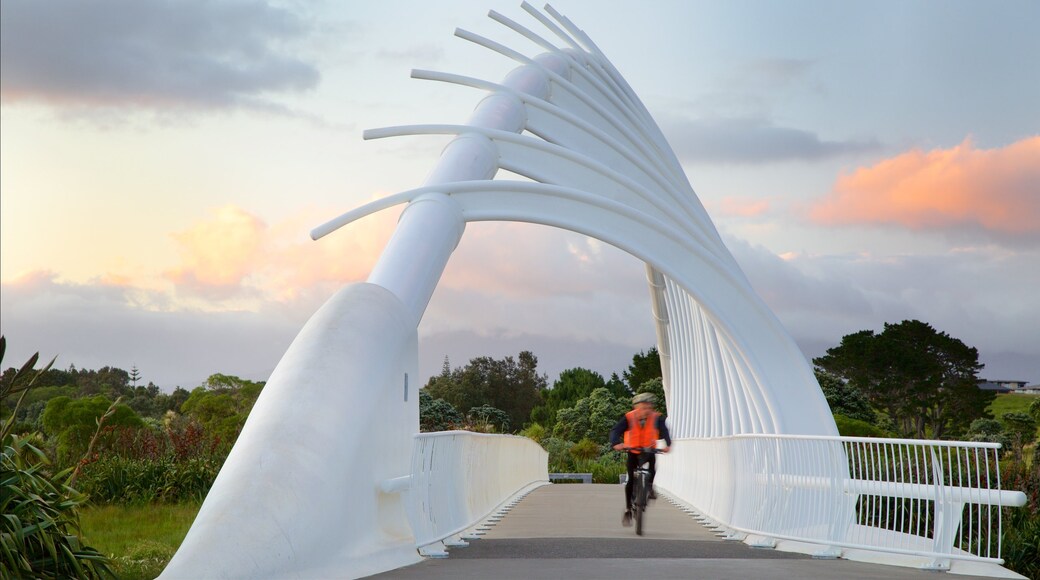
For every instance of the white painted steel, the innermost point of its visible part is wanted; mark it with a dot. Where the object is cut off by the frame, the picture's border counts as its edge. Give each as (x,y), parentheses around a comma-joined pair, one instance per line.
(460,478)
(936,499)
(307,492)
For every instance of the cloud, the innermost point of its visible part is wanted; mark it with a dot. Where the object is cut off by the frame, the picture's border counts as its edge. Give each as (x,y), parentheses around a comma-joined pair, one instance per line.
(961,190)
(218,253)
(156,55)
(820,298)
(739,207)
(233,258)
(427,53)
(753,140)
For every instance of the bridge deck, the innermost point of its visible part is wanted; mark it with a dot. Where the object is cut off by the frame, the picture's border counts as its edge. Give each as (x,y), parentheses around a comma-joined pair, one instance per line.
(574,531)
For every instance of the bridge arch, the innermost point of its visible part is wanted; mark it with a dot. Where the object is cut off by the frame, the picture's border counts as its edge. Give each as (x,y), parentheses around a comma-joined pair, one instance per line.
(739,391)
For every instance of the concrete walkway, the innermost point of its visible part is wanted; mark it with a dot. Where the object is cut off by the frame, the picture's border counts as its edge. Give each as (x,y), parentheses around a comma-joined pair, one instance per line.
(574,531)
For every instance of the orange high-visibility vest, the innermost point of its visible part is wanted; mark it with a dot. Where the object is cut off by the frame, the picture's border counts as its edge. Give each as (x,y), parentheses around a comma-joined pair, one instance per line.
(644,435)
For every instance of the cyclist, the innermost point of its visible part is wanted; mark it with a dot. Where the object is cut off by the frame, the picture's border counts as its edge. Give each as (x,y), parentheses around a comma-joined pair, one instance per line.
(640,427)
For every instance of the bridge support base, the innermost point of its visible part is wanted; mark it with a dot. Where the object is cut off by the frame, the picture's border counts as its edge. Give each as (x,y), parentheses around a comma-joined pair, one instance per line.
(434,550)
(828,553)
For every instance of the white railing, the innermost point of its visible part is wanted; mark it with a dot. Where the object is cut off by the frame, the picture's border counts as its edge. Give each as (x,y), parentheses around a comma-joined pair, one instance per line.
(936,499)
(459,478)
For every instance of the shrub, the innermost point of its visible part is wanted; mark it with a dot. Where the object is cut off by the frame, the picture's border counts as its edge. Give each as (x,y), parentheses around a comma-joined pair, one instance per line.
(849,427)
(39,530)
(584,450)
(534,431)
(560,459)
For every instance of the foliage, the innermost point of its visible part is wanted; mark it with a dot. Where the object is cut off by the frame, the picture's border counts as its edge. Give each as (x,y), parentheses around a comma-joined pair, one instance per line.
(222,403)
(923,379)
(39,529)
(535,432)
(645,366)
(488,419)
(845,399)
(74,421)
(437,414)
(851,427)
(988,430)
(1021,539)
(656,388)
(573,384)
(1020,429)
(604,469)
(115,479)
(591,417)
(512,385)
(560,459)
(40,526)
(585,450)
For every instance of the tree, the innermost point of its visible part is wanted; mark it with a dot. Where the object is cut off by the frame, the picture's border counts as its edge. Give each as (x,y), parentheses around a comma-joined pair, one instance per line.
(1020,429)
(645,366)
(656,388)
(925,380)
(591,417)
(437,414)
(135,375)
(845,399)
(512,385)
(222,404)
(572,385)
(73,422)
(487,419)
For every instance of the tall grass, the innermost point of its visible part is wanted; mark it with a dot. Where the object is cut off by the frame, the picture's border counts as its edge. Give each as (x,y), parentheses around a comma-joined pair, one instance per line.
(140,539)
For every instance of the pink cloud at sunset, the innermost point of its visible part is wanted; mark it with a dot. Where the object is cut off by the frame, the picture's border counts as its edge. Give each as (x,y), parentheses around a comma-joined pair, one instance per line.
(219,251)
(996,191)
(234,254)
(740,207)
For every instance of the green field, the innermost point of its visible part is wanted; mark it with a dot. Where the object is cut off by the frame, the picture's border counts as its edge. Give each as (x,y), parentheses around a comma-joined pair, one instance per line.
(1009,403)
(140,539)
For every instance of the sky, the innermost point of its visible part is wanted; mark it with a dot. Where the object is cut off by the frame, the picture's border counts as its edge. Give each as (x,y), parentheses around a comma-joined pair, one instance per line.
(162,162)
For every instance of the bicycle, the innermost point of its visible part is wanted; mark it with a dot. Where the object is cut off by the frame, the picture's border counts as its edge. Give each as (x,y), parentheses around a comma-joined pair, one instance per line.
(641,486)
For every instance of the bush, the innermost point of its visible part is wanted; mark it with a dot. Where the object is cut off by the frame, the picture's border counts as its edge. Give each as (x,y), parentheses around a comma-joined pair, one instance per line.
(40,527)
(604,469)
(584,450)
(39,530)
(117,479)
(560,459)
(534,431)
(1021,540)
(850,427)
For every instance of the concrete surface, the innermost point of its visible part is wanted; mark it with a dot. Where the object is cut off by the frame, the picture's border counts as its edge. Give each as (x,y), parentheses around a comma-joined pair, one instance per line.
(574,531)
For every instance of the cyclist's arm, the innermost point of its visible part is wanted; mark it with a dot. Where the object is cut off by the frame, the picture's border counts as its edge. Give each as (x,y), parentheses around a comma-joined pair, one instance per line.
(617,434)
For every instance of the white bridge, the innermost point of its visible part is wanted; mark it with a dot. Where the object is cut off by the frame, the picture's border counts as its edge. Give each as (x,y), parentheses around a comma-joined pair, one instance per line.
(330,477)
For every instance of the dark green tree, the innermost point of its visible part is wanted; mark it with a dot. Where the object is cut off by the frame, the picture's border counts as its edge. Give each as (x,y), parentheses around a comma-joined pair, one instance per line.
(437,414)
(644,367)
(845,399)
(923,379)
(656,388)
(488,419)
(512,385)
(572,385)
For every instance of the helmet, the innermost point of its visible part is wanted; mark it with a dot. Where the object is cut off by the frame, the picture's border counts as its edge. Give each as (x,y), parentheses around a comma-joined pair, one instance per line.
(644,398)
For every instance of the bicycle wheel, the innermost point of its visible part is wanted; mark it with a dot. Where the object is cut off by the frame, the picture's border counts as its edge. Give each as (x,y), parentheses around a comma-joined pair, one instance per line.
(639,501)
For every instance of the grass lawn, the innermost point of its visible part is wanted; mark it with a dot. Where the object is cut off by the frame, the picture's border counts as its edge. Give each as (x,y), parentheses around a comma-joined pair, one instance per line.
(140,539)
(1009,403)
